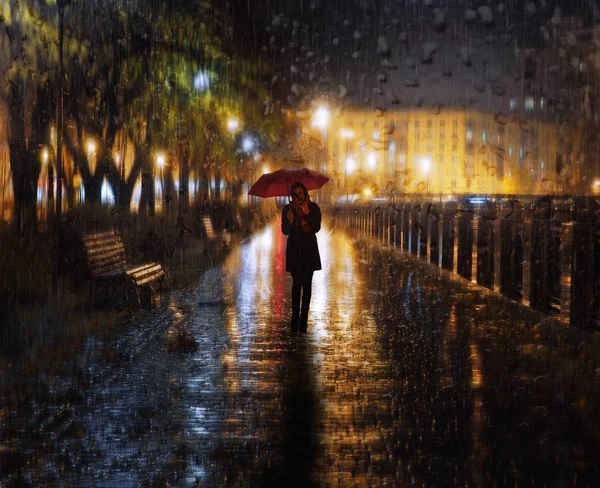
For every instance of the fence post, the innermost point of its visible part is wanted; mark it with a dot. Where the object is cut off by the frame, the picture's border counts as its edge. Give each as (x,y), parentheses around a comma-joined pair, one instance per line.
(511,250)
(406,227)
(486,217)
(434,235)
(415,228)
(424,229)
(583,213)
(448,218)
(538,262)
(465,239)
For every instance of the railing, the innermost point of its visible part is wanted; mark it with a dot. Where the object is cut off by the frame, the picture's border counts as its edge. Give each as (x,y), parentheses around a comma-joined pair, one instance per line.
(545,254)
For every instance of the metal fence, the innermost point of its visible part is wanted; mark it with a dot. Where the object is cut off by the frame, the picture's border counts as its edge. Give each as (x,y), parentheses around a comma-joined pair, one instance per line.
(544,252)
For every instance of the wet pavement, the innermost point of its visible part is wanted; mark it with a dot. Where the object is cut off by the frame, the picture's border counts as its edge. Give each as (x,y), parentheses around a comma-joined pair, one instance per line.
(406,377)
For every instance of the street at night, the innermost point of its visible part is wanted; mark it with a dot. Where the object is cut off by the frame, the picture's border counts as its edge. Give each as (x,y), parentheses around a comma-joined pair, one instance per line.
(299,243)
(404,377)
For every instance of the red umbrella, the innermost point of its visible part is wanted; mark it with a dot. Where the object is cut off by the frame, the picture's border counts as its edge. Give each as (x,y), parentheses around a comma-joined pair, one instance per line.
(278,183)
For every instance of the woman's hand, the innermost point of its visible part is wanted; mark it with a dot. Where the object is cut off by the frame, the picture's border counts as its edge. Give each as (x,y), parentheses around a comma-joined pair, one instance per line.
(290,216)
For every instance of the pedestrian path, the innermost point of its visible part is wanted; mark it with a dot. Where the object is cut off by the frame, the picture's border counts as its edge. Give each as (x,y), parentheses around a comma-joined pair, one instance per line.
(403,378)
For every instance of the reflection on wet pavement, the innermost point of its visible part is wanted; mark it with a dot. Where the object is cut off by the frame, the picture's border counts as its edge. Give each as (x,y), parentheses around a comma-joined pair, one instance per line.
(403,378)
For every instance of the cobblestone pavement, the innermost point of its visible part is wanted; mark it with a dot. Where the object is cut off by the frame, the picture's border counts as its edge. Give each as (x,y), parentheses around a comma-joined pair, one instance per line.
(405,378)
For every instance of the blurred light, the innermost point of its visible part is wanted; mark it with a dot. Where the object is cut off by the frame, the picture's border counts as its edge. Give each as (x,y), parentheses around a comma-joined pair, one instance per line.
(372,160)
(52,135)
(346,133)
(160,160)
(91,147)
(596,185)
(426,165)
(367,192)
(233,124)
(321,118)
(201,81)
(350,165)
(247,144)
(118,158)
(45,156)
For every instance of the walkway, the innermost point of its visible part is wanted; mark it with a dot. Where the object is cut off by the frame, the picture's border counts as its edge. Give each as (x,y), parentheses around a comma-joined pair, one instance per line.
(405,378)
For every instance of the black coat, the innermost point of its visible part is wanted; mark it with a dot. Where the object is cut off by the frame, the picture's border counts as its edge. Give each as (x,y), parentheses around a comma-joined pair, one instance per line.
(302,250)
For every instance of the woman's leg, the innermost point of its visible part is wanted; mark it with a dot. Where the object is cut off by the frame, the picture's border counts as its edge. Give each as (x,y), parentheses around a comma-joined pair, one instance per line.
(306,296)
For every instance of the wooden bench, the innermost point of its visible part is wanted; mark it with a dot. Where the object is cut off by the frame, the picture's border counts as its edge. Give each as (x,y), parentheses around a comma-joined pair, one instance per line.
(106,261)
(224,237)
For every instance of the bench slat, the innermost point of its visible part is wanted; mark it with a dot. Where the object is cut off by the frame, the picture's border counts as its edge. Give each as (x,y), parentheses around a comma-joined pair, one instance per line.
(150,278)
(100,236)
(104,255)
(147,270)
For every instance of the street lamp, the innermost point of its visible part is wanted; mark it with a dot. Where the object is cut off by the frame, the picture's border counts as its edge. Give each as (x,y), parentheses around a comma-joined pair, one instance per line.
(233,125)
(321,118)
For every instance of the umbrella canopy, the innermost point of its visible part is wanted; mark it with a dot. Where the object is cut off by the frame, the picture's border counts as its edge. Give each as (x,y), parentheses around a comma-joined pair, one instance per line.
(278,183)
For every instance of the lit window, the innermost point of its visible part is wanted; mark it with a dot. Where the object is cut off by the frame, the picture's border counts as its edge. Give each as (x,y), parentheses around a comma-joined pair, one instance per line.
(529,103)
(513,104)
(483,136)
(510,150)
(542,103)
(469,135)
(350,165)
(375,135)
(372,160)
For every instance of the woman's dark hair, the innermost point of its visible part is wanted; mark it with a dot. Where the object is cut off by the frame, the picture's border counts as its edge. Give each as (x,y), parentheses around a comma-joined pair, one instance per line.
(297,184)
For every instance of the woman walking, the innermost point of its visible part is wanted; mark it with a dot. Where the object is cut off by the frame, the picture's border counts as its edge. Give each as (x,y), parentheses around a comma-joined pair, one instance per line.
(300,221)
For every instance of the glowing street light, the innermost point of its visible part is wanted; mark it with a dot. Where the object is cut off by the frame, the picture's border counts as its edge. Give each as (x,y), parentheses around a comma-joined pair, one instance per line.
(321,118)
(45,156)
(247,144)
(160,160)
(233,125)
(91,147)
(118,158)
(201,81)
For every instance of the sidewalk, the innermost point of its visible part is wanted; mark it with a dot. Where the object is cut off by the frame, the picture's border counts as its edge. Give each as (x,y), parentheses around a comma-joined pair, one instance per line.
(404,377)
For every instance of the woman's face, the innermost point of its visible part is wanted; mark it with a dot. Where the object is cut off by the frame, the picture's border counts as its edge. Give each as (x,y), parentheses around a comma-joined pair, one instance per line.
(299,194)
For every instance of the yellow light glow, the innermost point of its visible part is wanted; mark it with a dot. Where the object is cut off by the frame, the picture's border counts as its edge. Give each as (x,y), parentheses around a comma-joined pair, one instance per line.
(45,155)
(265,170)
(233,124)
(91,147)
(426,165)
(367,192)
(321,117)
(597,184)
(118,158)
(372,160)
(346,133)
(160,160)
(350,165)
